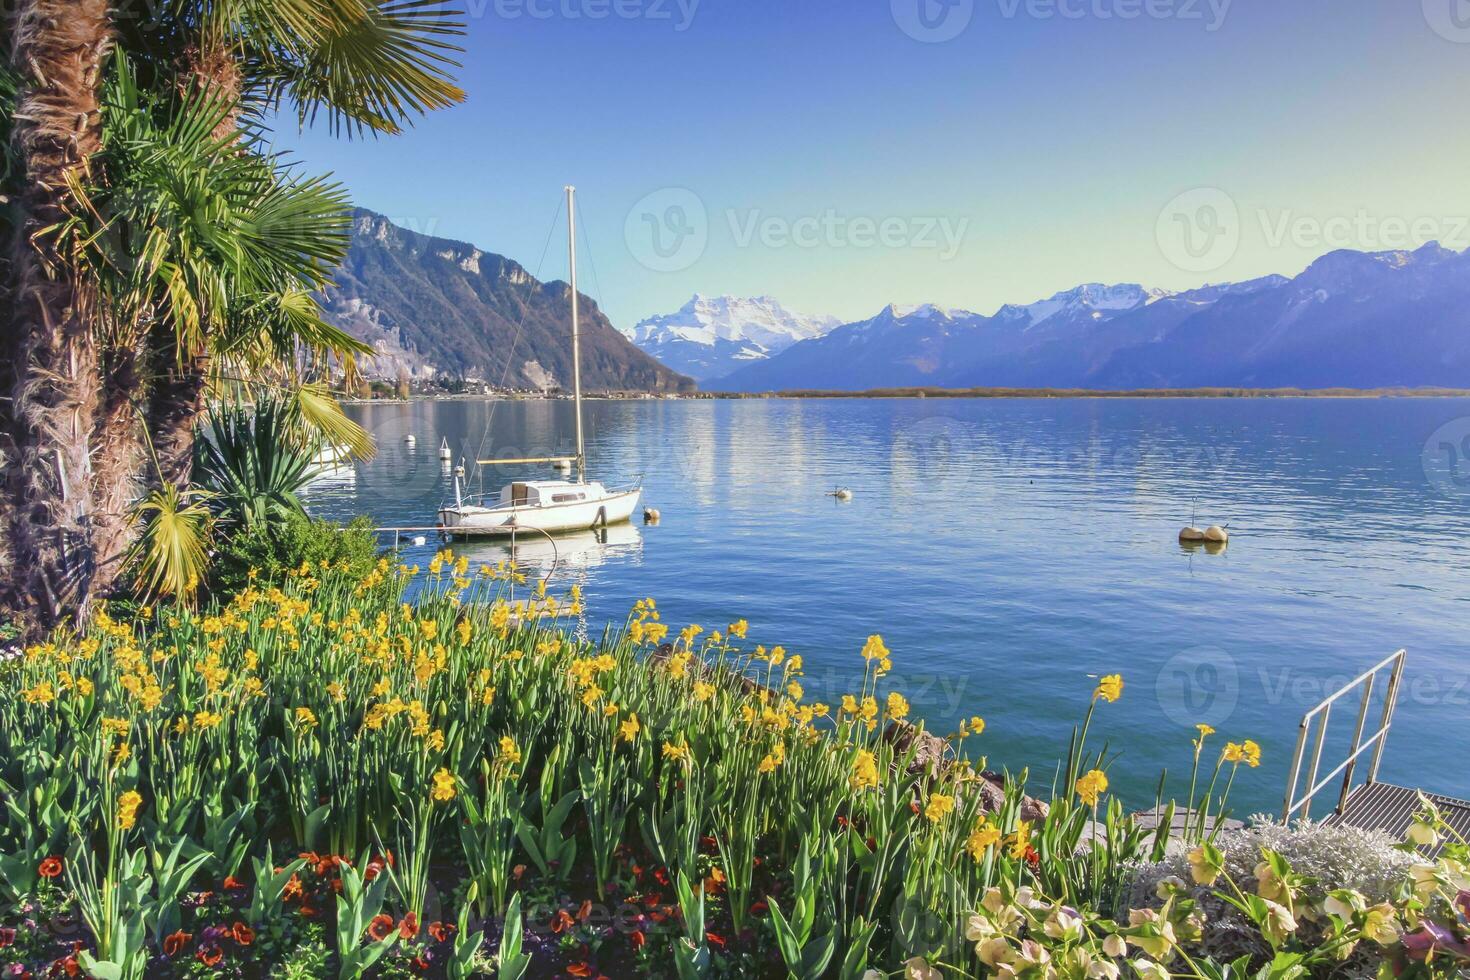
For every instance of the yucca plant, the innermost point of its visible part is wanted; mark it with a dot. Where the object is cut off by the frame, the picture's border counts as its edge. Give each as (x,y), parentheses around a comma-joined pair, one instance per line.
(254,461)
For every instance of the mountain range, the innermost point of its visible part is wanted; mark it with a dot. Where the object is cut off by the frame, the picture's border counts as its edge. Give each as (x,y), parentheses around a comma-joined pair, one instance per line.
(432,307)
(1351,319)
(711,336)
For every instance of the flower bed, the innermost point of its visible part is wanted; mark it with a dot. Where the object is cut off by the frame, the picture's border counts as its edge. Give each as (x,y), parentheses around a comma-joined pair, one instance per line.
(321,780)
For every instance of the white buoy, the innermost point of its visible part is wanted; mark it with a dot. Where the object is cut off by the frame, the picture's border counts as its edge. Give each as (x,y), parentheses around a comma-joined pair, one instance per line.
(1191,534)
(418,540)
(841,493)
(1217,534)
(651,515)
(409,440)
(444,451)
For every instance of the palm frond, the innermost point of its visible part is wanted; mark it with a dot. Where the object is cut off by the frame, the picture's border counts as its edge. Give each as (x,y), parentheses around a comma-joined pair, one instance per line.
(171,553)
(321,413)
(376,65)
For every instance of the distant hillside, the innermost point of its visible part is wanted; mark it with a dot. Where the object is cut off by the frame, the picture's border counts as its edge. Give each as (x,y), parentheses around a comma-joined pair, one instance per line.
(431,306)
(1352,320)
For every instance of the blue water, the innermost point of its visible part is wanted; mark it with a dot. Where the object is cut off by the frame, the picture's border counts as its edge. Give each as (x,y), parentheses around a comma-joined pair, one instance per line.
(1011,550)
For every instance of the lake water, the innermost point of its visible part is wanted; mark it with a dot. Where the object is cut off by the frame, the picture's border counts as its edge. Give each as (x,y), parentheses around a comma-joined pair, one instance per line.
(1011,550)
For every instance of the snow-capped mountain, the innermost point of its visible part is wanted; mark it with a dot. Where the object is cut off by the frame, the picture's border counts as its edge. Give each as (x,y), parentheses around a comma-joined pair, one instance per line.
(1351,319)
(710,336)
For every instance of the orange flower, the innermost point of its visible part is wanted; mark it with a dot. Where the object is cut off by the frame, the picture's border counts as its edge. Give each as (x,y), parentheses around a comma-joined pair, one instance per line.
(380,928)
(210,955)
(233,884)
(242,934)
(638,939)
(292,890)
(561,922)
(580,970)
(50,868)
(441,931)
(718,940)
(585,911)
(409,927)
(174,942)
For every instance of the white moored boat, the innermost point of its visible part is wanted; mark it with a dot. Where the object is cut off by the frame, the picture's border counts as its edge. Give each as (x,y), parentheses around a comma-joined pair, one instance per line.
(545,505)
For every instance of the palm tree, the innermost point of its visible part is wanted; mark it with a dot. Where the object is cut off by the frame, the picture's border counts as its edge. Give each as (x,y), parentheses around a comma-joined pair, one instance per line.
(144,331)
(366,65)
(55,51)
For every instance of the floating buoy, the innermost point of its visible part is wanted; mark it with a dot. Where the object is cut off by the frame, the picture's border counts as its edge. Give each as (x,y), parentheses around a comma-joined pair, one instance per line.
(1217,534)
(444,451)
(418,540)
(1191,534)
(651,515)
(409,439)
(459,471)
(841,493)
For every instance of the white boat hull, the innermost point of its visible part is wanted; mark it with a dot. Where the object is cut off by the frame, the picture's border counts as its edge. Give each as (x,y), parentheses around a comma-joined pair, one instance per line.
(476,521)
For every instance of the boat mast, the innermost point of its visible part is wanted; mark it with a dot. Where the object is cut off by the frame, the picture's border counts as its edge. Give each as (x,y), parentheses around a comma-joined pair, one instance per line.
(576,331)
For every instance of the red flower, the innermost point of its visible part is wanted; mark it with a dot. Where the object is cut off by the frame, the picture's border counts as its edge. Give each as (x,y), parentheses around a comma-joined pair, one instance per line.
(585,911)
(70,966)
(50,868)
(441,931)
(409,927)
(638,939)
(661,875)
(242,934)
(7,936)
(580,970)
(380,928)
(561,922)
(759,908)
(210,955)
(292,890)
(176,941)
(233,884)
(715,939)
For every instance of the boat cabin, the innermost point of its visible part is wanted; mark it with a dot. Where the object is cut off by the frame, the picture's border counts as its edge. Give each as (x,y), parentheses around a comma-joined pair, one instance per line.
(543,493)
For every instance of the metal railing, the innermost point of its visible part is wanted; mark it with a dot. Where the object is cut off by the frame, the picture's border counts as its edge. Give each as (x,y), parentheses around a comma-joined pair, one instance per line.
(1394,665)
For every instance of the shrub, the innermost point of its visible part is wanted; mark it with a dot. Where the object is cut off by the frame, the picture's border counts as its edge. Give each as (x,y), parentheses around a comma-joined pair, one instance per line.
(1332,856)
(274,548)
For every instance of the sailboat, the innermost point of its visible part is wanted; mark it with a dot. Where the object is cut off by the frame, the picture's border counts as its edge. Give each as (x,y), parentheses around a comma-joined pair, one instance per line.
(551,506)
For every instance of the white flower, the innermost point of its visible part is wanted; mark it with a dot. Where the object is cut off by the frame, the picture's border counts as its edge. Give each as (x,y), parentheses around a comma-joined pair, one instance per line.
(1422,834)
(919,968)
(1149,970)
(1279,923)
(978,928)
(1115,947)
(994,952)
(1063,923)
(1169,886)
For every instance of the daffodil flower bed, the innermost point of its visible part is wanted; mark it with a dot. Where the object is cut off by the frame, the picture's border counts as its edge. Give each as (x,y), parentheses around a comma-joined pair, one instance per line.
(319,779)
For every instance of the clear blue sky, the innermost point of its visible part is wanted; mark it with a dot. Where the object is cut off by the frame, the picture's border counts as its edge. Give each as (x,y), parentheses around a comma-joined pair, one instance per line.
(830,151)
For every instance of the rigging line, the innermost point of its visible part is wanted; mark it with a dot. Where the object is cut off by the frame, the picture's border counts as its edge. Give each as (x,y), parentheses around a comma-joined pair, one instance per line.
(510,354)
(591,260)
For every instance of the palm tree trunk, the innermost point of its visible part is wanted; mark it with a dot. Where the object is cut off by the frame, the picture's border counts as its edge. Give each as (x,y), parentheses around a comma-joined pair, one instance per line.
(116,461)
(57,48)
(176,400)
